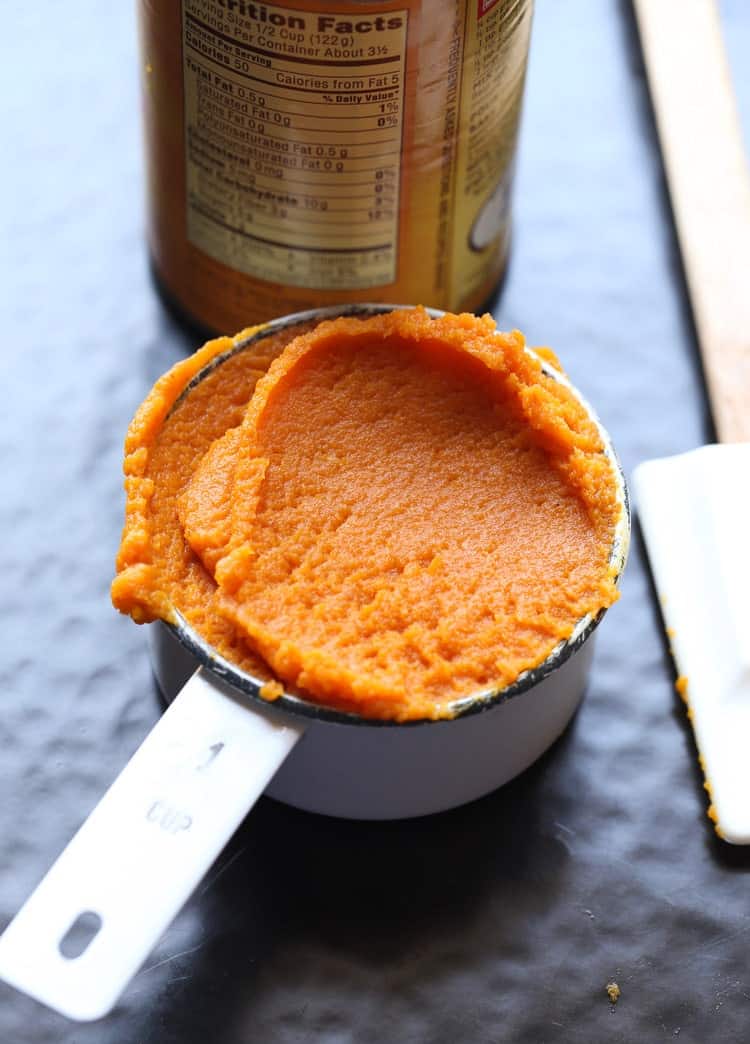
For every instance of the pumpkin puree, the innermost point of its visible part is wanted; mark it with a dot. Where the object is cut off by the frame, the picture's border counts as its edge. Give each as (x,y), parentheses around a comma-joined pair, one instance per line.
(400,512)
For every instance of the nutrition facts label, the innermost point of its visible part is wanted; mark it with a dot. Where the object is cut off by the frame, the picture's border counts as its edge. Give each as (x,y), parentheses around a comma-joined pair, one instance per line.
(293,128)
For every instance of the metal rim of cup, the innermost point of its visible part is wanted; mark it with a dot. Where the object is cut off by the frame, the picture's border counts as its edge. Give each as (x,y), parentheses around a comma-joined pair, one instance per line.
(476,703)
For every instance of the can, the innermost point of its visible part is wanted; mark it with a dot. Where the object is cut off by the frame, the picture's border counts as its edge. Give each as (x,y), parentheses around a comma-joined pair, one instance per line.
(327,151)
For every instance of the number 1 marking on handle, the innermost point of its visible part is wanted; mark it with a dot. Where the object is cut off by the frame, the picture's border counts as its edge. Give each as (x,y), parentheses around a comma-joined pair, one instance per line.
(213,752)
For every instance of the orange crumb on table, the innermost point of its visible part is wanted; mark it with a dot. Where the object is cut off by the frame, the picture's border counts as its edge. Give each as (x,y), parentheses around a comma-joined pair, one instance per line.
(402,511)
(613,992)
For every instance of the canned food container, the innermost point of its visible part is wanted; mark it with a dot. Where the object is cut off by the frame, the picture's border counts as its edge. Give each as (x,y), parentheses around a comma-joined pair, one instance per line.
(309,153)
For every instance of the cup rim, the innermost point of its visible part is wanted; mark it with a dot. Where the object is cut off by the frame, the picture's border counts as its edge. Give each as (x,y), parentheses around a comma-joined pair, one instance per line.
(477,703)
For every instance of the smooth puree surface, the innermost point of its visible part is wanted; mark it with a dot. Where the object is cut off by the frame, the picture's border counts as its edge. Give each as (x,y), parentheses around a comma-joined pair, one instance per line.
(408,511)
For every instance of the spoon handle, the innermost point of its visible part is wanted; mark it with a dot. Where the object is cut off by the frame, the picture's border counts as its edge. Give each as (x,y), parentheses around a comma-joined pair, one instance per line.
(98,912)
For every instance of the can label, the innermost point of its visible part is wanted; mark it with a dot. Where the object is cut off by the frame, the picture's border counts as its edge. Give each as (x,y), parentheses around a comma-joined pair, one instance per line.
(493,72)
(293,141)
(320,152)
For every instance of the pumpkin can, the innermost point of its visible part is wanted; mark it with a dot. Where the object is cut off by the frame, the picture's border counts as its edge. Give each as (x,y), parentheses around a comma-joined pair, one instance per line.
(320,153)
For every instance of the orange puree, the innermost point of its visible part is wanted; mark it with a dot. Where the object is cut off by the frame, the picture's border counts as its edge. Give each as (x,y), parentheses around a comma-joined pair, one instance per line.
(407,511)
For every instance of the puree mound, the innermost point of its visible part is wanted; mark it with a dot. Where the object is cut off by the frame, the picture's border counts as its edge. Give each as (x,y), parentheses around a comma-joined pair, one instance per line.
(410,511)
(157,572)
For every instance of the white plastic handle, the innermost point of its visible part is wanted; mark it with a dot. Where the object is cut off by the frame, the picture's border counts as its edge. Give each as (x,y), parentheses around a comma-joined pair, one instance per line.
(144,848)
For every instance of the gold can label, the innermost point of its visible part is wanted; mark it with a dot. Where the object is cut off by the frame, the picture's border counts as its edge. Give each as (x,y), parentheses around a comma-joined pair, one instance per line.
(323,153)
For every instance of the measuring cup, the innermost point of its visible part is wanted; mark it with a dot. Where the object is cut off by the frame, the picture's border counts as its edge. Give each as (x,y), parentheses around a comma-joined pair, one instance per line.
(96,915)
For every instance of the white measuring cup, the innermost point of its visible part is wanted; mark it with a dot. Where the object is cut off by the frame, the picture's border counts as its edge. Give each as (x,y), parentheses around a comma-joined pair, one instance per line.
(98,912)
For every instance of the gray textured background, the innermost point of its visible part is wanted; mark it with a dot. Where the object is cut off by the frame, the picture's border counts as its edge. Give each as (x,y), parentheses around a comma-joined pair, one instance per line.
(502,921)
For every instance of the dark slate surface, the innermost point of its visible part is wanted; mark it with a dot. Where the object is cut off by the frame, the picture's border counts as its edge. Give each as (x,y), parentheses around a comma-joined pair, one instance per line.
(505,920)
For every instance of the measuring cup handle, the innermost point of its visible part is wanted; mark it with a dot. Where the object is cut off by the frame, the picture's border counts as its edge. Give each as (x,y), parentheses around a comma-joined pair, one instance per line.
(100,909)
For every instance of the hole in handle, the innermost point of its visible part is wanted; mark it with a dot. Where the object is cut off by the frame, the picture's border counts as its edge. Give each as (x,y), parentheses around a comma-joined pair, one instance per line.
(81,933)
